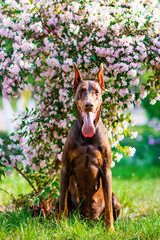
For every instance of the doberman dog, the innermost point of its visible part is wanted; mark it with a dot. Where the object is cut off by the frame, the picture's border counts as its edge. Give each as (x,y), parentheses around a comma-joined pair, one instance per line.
(85,180)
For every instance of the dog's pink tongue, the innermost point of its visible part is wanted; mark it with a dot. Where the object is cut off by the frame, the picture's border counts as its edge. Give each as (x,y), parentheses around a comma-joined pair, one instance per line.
(88,128)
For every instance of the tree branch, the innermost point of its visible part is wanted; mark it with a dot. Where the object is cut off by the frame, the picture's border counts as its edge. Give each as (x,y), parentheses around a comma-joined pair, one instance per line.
(9,194)
(23,175)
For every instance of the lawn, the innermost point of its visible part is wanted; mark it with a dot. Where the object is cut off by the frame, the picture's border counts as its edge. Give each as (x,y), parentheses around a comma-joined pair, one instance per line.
(138,189)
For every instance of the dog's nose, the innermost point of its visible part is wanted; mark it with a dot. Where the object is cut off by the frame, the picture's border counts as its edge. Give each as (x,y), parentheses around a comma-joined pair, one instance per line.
(89,105)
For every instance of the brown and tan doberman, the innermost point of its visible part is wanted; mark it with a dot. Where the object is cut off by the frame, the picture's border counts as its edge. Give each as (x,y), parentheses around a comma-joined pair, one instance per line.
(85,180)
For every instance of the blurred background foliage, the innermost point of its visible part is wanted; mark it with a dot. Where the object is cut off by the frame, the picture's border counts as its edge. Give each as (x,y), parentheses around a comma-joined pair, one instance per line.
(147,146)
(153,111)
(147,143)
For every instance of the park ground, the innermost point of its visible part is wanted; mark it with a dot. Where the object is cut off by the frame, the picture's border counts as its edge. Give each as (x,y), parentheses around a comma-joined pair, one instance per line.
(137,187)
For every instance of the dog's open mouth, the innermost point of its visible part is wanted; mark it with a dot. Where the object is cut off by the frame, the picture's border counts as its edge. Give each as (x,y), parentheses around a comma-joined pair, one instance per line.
(88,127)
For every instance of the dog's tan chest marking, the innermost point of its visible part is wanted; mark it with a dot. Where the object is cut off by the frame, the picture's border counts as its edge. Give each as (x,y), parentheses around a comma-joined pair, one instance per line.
(86,157)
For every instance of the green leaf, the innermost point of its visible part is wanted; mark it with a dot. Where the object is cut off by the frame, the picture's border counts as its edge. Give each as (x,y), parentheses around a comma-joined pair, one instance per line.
(55,184)
(44,194)
(93,58)
(47,189)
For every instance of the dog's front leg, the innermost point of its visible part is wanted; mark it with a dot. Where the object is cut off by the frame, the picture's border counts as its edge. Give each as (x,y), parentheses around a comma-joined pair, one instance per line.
(107,189)
(107,186)
(64,181)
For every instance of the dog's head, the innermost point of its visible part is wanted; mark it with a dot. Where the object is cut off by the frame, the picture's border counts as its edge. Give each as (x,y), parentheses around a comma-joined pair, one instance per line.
(88,100)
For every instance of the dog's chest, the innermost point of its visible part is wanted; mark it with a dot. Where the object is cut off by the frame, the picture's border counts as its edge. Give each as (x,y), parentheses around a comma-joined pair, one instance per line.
(86,182)
(85,158)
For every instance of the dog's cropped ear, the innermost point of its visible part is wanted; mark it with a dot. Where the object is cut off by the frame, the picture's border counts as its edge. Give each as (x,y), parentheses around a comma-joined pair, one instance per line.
(99,77)
(77,77)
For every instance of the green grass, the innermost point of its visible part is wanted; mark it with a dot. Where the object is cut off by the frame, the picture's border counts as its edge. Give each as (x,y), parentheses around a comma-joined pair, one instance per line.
(14,184)
(138,189)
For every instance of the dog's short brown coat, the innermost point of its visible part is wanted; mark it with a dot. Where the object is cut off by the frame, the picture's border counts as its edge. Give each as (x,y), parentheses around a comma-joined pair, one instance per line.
(86,180)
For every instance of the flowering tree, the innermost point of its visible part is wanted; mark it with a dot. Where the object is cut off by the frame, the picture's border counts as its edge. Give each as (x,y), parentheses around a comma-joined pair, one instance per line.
(40,40)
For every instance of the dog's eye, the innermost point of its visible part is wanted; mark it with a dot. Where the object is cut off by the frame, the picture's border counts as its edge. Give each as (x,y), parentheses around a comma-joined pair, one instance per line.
(96,92)
(80,95)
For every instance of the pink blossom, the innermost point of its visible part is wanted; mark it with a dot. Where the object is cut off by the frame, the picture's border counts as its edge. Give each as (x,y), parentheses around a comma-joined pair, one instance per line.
(120,137)
(75,6)
(14,69)
(112,164)
(7,22)
(123,92)
(1,141)
(131,151)
(118,157)
(129,49)
(19,158)
(66,68)
(63,123)
(8,172)
(143,94)
(152,62)
(26,162)
(141,87)
(158,97)
(63,140)
(124,83)
(123,67)
(118,130)
(134,82)
(9,147)
(138,102)
(158,44)
(75,29)
(133,122)
(69,61)
(2,153)
(59,156)
(42,164)
(153,101)
(109,59)
(34,167)
(134,134)
(52,62)
(132,73)
(112,90)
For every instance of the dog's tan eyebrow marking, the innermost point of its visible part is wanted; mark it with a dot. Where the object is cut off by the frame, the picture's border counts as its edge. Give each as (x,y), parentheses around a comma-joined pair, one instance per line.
(94,88)
(83,88)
